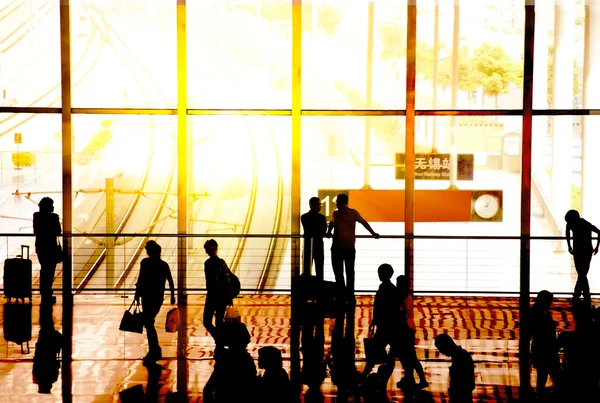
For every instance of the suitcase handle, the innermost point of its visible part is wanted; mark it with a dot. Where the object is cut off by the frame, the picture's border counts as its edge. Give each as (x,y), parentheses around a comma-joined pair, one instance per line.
(23,350)
(23,248)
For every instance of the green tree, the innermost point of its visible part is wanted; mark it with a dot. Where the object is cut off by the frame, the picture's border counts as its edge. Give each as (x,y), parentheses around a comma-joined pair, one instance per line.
(328,19)
(496,68)
(391,40)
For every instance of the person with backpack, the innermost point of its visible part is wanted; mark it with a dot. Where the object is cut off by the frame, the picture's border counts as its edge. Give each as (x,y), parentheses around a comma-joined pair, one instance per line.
(221,287)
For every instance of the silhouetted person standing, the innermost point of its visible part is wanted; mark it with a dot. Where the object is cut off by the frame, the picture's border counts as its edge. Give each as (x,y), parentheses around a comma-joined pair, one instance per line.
(46,228)
(581,250)
(314,225)
(343,252)
(544,345)
(150,287)
(218,294)
(462,370)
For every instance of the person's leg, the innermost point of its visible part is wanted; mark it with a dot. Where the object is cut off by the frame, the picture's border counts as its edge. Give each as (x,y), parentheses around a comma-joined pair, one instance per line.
(319,258)
(307,257)
(220,314)
(337,263)
(542,378)
(582,266)
(150,309)
(349,259)
(47,271)
(207,318)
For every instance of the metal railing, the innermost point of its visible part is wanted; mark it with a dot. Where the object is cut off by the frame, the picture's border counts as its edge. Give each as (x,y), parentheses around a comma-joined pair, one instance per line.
(452,265)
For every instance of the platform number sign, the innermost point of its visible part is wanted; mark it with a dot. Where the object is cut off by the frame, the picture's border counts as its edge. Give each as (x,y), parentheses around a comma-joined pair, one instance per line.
(18,138)
(328,198)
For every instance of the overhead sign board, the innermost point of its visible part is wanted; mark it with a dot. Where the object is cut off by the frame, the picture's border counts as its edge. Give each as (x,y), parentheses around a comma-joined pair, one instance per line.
(437,166)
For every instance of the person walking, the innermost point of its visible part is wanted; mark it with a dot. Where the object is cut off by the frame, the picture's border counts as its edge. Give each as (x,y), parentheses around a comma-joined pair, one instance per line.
(150,288)
(218,292)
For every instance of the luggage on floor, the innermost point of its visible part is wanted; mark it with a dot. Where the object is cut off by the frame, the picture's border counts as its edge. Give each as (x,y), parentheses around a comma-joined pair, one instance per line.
(17,324)
(17,276)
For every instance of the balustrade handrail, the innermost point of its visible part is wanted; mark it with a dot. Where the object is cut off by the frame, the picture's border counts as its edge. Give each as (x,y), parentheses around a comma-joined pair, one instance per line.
(296,236)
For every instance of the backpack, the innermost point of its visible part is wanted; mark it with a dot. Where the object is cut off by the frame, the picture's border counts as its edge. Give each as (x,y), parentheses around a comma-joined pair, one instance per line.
(234,285)
(233,282)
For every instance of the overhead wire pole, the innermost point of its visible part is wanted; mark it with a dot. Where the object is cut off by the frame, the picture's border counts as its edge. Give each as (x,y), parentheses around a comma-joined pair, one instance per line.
(453,126)
(369,96)
(296,177)
(409,161)
(67,213)
(182,200)
(436,58)
(524,329)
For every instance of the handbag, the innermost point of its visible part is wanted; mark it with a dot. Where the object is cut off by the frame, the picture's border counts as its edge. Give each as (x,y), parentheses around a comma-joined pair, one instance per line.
(172,321)
(232,315)
(58,252)
(132,321)
(374,350)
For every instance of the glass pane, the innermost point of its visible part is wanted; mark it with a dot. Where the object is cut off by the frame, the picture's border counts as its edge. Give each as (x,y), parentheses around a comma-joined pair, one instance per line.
(562,181)
(239,54)
(488,158)
(30,169)
(559,60)
(334,154)
(490,54)
(336,62)
(30,53)
(557,175)
(124,54)
(483,200)
(241,186)
(139,155)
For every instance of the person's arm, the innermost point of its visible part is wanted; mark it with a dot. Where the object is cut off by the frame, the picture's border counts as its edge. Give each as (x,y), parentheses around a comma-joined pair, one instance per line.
(57,228)
(321,226)
(568,234)
(139,286)
(171,283)
(597,231)
(210,277)
(36,224)
(330,225)
(365,224)
(303,222)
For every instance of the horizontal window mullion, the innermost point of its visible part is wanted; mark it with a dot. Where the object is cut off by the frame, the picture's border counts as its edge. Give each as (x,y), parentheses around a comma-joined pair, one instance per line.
(240,112)
(123,111)
(28,109)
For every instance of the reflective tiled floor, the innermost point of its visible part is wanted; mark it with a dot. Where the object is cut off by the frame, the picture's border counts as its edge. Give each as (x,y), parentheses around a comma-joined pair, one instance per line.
(107,360)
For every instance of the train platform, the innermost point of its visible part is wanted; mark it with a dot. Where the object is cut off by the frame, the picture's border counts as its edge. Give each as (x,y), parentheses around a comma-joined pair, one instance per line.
(107,361)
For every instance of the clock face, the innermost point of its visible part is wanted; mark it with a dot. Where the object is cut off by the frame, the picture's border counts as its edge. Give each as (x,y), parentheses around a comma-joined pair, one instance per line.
(487,206)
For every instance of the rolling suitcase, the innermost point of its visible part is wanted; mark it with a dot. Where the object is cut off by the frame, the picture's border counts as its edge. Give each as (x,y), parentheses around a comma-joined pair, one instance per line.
(17,324)
(17,276)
